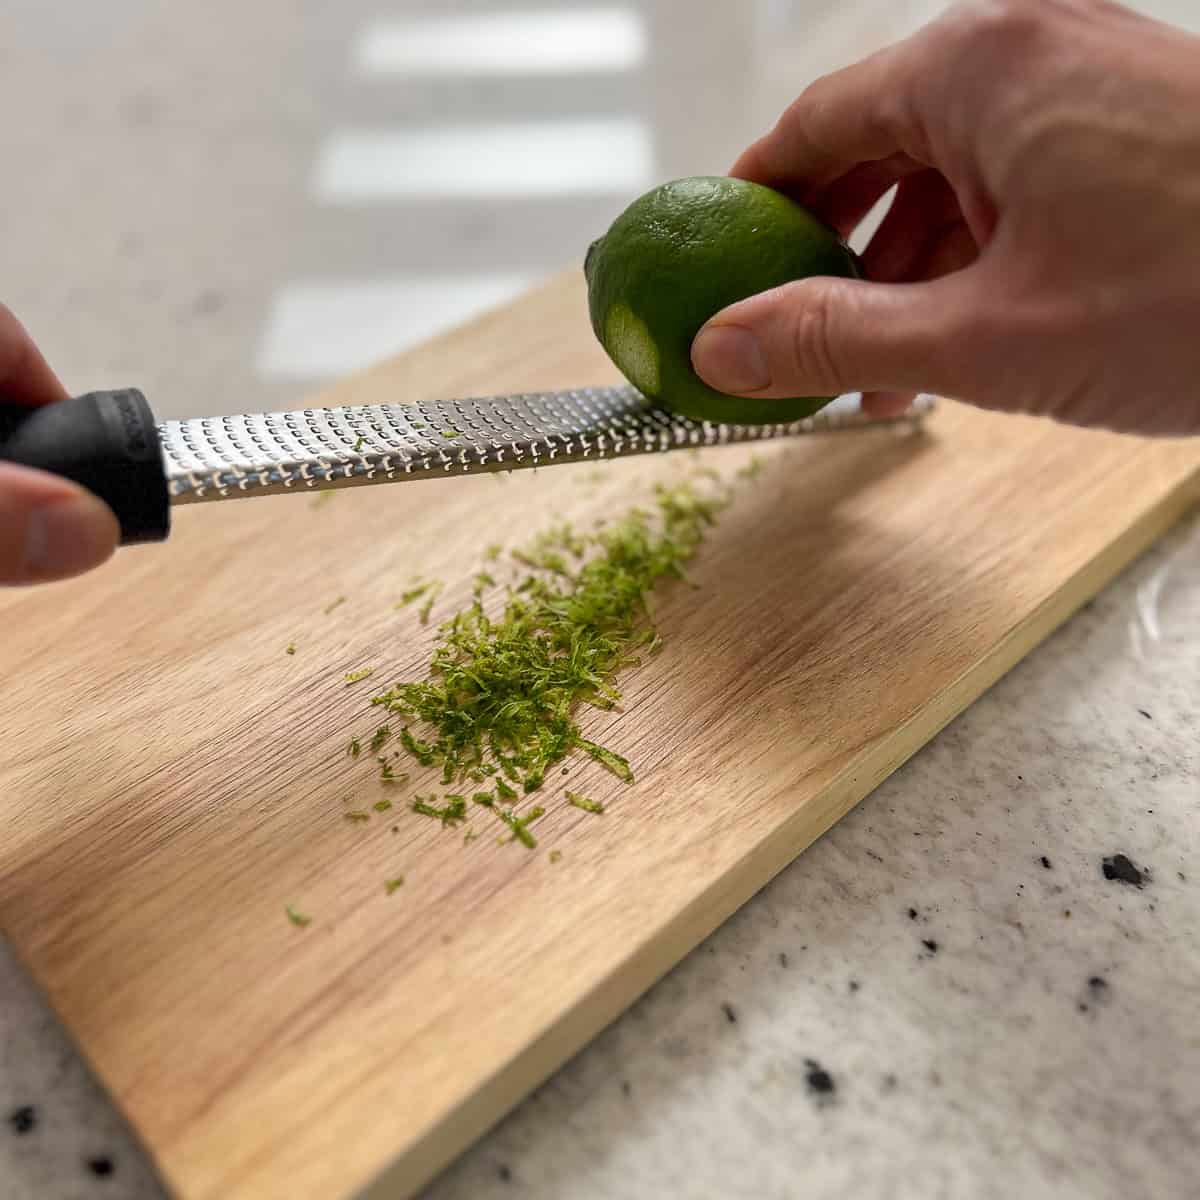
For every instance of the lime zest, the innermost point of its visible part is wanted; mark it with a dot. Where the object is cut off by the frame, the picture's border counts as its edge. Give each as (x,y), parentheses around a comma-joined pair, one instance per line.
(607,759)
(451,813)
(591,806)
(507,682)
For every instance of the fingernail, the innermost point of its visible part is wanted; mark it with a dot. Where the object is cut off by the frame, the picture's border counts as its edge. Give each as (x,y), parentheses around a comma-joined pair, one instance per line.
(730,359)
(68,536)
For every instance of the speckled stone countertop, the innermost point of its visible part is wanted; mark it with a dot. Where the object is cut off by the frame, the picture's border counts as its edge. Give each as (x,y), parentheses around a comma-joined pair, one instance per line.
(982,982)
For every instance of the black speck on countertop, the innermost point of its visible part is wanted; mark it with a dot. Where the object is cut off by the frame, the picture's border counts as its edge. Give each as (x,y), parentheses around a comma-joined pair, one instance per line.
(1046,862)
(854,985)
(101,1166)
(783,958)
(1097,993)
(1145,714)
(1120,868)
(819,1080)
(912,914)
(505,1172)
(23,1120)
(890,1082)
(626,1088)
(930,944)
(730,1014)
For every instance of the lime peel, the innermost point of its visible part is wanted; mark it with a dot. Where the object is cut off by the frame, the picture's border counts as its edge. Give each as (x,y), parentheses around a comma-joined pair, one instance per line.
(628,340)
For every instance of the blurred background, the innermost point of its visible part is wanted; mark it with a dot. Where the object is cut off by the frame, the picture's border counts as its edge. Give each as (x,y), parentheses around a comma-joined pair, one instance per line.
(228,203)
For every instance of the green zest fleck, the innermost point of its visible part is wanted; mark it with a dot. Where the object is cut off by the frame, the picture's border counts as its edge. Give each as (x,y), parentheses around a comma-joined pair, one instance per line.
(484,799)
(297,917)
(493,552)
(451,433)
(504,791)
(520,825)
(359,676)
(422,752)
(381,806)
(339,601)
(393,885)
(358,443)
(592,806)
(355,748)
(426,608)
(451,814)
(555,856)
(386,771)
(414,593)
(606,758)
(355,817)
(291,648)
(380,736)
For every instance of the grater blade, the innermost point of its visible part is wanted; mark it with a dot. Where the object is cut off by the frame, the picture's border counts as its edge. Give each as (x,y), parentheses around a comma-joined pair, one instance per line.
(317,449)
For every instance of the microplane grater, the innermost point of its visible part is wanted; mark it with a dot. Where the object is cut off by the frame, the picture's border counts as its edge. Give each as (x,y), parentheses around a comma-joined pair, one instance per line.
(110,443)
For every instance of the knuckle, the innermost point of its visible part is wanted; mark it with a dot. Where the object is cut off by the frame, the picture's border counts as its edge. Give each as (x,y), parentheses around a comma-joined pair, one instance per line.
(814,358)
(988,23)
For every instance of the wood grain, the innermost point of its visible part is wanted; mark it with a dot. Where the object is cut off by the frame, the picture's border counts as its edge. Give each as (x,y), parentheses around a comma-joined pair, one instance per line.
(172,778)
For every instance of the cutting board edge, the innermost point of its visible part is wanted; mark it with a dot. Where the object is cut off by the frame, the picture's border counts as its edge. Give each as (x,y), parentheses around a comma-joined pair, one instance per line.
(633,978)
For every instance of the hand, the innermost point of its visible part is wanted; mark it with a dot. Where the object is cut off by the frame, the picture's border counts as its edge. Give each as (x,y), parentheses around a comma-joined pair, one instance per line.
(1042,252)
(50,528)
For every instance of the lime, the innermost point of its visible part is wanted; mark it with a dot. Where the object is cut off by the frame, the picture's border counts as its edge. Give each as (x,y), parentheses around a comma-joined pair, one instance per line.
(676,257)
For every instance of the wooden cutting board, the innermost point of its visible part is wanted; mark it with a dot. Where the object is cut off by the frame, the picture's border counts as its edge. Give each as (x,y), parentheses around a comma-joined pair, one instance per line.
(172,778)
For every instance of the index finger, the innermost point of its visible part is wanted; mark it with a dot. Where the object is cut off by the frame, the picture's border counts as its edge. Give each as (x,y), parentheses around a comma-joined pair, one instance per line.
(25,376)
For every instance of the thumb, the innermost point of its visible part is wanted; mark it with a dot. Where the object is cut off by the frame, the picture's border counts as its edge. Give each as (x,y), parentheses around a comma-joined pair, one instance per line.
(825,336)
(50,528)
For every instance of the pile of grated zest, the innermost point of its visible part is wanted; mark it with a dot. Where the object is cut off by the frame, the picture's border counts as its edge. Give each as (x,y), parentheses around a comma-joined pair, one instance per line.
(498,705)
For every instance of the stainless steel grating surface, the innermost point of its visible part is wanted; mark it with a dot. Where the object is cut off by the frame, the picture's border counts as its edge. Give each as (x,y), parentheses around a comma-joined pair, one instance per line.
(211,458)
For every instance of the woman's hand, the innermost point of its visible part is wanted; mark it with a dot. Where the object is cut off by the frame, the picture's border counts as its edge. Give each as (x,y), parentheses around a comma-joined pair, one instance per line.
(50,528)
(1042,253)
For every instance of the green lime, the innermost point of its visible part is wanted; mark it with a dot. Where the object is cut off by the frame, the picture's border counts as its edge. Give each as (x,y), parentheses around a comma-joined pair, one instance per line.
(676,257)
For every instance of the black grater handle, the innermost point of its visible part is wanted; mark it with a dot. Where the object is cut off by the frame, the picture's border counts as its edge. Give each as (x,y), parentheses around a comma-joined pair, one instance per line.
(106,442)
